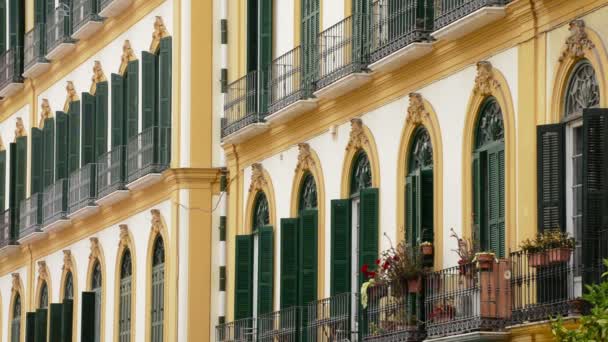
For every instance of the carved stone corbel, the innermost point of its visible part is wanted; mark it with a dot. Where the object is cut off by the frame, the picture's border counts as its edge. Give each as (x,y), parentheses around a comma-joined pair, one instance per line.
(485,81)
(19,129)
(98,76)
(45,112)
(156,222)
(160,32)
(67,260)
(128,55)
(258,181)
(305,160)
(357,138)
(125,239)
(577,42)
(72,96)
(416,113)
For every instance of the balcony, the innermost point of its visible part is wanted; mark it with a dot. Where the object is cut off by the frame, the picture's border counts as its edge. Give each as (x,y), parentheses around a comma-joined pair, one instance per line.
(457,18)
(110,8)
(55,206)
(82,196)
(332,319)
(112,176)
(8,240)
(30,219)
(34,61)
(58,35)
(242,330)
(243,118)
(400,32)
(148,155)
(467,300)
(86,21)
(11,68)
(289,90)
(342,56)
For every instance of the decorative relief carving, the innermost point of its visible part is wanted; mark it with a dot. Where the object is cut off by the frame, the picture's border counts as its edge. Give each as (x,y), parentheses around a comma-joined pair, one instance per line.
(416,112)
(485,81)
(578,41)
(95,249)
(124,236)
(67,260)
(357,139)
(128,55)
(19,129)
(72,96)
(16,282)
(305,160)
(98,76)
(45,112)
(42,270)
(160,32)
(157,222)
(258,181)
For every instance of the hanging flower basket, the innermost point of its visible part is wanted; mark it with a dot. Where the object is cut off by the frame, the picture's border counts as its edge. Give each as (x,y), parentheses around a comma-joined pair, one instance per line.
(426,248)
(537,259)
(484,260)
(559,255)
(414,285)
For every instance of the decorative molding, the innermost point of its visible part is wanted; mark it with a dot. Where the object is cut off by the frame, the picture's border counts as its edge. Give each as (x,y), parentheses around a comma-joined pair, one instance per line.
(45,112)
(157,222)
(72,96)
(2,147)
(305,160)
(578,41)
(485,81)
(43,271)
(19,129)
(16,282)
(67,260)
(415,111)
(95,249)
(160,32)
(128,55)
(357,139)
(98,76)
(258,181)
(125,239)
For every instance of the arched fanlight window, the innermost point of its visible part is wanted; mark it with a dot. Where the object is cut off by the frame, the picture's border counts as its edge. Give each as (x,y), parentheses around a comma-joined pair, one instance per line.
(361,173)
(44,296)
(489,179)
(96,284)
(583,90)
(261,216)
(124,318)
(158,290)
(419,189)
(308,192)
(16,320)
(68,287)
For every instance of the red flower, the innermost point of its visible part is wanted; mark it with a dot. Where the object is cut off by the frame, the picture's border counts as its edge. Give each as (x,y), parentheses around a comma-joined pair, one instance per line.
(386,265)
(371,275)
(377,261)
(364,269)
(396,258)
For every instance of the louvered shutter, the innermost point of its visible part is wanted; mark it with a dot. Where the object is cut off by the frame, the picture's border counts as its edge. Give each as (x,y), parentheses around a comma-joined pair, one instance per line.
(265,269)
(426,205)
(496,199)
(132,99)
(411,208)
(30,327)
(164,95)
(340,246)
(101,119)
(67,320)
(265,42)
(12,175)
(39,11)
(310,30)
(55,322)
(243,301)
(87,317)
(3,171)
(149,89)
(551,177)
(368,228)
(36,161)
(479,231)
(2,25)
(74,137)
(252,35)
(289,262)
(49,153)
(88,129)
(308,256)
(21,169)
(118,137)
(41,320)
(62,146)
(16,20)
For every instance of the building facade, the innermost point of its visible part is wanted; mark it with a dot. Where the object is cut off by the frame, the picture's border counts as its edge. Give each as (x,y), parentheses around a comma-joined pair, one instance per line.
(350,126)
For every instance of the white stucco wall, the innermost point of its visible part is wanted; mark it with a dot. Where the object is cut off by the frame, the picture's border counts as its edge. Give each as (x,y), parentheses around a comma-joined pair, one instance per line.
(283,26)
(332,11)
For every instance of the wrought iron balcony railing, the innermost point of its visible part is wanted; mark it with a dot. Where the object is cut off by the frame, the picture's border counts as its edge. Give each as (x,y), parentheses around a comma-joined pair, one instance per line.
(449,11)
(287,83)
(332,319)
(55,202)
(466,299)
(243,330)
(58,30)
(35,46)
(30,215)
(342,49)
(11,66)
(111,171)
(148,153)
(7,234)
(82,188)
(283,325)
(84,11)
(398,23)
(242,105)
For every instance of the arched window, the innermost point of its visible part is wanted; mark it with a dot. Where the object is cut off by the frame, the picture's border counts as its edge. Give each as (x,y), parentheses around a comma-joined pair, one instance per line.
(583,90)
(308,193)
(43,301)
(68,287)
(158,290)
(361,174)
(419,189)
(261,216)
(124,317)
(16,320)
(96,283)
(489,179)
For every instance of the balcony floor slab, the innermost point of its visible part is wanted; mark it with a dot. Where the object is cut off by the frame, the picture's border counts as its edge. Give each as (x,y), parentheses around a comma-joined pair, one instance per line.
(480,336)
(245,133)
(115,8)
(60,50)
(343,86)
(401,57)
(88,29)
(9,249)
(32,237)
(145,181)
(291,112)
(113,197)
(84,212)
(37,69)
(10,89)
(57,225)
(470,23)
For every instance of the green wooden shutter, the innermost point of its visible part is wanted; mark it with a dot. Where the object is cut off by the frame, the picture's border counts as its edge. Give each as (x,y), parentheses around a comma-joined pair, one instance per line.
(252,35)
(67,320)
(243,301)
(551,177)
(479,229)
(426,205)
(265,17)
(132,99)
(289,262)
(21,169)
(164,82)
(368,228)
(88,129)
(12,175)
(308,256)
(36,161)
(16,22)
(2,25)
(496,199)
(30,327)
(340,246)
(149,96)
(411,208)
(49,152)
(265,269)
(39,9)
(41,321)
(3,180)
(118,138)
(55,322)
(74,137)
(87,318)
(62,140)
(101,119)
(310,30)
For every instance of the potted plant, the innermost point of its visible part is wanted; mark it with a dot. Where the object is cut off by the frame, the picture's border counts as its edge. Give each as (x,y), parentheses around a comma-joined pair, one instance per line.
(535,252)
(465,251)
(559,246)
(485,260)
(426,248)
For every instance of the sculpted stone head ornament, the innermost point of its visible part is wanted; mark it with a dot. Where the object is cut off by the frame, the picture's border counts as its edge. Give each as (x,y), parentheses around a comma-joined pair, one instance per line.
(19,129)
(72,96)
(128,55)
(45,112)
(160,31)
(98,76)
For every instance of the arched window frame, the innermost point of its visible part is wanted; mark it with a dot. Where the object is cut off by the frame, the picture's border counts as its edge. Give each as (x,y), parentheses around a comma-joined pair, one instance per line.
(125,295)
(157,290)
(16,322)
(361,173)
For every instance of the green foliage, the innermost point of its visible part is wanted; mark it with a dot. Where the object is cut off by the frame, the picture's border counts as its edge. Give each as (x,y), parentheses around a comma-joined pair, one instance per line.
(594,326)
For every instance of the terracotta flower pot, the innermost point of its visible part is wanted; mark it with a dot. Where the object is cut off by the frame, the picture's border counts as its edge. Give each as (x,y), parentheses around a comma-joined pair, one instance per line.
(484,261)
(414,285)
(559,255)
(537,259)
(427,249)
